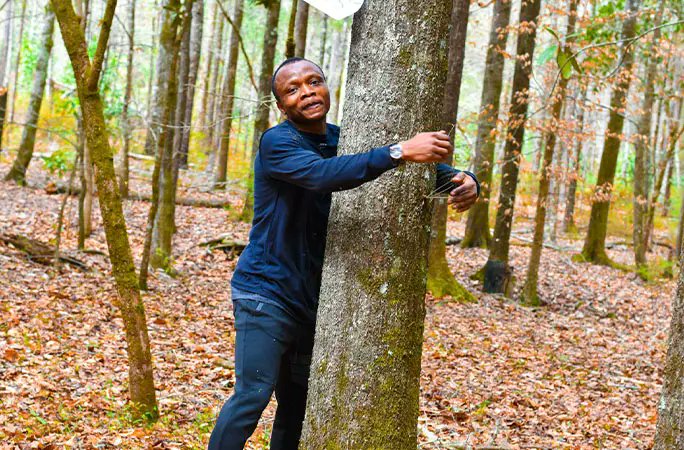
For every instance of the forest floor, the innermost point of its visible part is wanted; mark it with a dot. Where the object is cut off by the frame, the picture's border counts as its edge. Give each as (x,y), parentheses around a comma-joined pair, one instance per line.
(583,371)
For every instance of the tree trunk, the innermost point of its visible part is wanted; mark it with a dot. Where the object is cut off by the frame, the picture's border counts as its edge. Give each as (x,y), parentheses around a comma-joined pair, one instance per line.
(364,386)
(441,281)
(640,200)
(229,98)
(28,138)
(5,43)
(301,28)
(264,95)
(214,82)
(569,218)
(17,65)
(123,176)
(594,245)
(324,41)
(86,72)
(290,42)
(208,68)
(497,273)
(3,112)
(665,212)
(195,53)
(164,226)
(670,426)
(529,293)
(477,226)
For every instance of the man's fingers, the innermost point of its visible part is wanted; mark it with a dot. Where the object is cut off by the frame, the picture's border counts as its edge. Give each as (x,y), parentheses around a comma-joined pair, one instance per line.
(459,178)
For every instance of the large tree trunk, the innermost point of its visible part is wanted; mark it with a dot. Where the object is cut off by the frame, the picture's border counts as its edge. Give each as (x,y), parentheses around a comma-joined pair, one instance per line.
(28,138)
(264,95)
(440,280)
(529,294)
(86,72)
(229,98)
(125,119)
(497,276)
(477,226)
(301,28)
(640,201)
(195,50)
(594,244)
(364,385)
(670,427)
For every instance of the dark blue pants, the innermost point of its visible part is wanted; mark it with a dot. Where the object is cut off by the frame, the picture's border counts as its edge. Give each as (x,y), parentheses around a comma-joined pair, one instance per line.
(272,353)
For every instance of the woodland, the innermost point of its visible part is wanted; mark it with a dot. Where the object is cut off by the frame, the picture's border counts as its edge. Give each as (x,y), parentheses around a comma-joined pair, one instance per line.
(550,315)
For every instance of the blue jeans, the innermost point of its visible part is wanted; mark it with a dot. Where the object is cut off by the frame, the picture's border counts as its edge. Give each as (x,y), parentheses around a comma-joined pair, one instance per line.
(272,353)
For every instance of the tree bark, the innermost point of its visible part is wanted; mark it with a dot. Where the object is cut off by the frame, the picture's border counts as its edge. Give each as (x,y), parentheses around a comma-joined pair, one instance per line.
(28,138)
(3,112)
(569,218)
(229,98)
(290,41)
(594,244)
(264,95)
(126,121)
(441,281)
(87,73)
(670,426)
(5,44)
(301,28)
(17,65)
(640,199)
(497,272)
(208,68)
(477,227)
(529,294)
(214,82)
(364,385)
(195,53)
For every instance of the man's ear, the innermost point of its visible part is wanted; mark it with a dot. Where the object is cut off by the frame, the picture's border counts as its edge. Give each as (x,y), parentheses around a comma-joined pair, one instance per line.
(281,109)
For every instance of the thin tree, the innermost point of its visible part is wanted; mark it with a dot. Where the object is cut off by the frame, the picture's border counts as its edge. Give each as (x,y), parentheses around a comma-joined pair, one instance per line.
(87,74)
(364,385)
(440,280)
(125,119)
(17,65)
(229,98)
(301,28)
(594,244)
(497,273)
(574,171)
(264,96)
(290,41)
(477,227)
(28,138)
(529,294)
(208,67)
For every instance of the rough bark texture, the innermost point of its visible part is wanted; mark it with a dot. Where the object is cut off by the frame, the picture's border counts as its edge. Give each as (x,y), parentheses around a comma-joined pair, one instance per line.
(364,384)
(497,273)
(28,138)
(529,293)
(124,171)
(670,427)
(263,109)
(301,28)
(594,244)
(477,227)
(440,280)
(641,150)
(141,384)
(229,98)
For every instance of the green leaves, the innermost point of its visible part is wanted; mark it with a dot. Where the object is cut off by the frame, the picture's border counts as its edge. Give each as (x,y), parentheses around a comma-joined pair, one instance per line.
(547,55)
(564,58)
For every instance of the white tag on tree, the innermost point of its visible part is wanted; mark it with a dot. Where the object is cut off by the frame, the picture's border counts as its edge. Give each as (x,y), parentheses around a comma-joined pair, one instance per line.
(337,9)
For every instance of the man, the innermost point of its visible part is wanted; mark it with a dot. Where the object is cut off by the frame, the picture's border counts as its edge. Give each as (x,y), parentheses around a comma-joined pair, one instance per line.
(276,282)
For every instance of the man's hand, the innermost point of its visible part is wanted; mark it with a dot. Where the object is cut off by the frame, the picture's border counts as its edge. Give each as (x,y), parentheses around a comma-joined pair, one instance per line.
(427,147)
(464,196)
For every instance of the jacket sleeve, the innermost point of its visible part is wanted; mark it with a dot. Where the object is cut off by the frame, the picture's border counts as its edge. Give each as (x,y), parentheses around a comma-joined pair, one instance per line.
(284,160)
(444,175)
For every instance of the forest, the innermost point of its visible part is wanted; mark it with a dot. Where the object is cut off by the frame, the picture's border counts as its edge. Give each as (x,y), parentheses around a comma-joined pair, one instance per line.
(548,315)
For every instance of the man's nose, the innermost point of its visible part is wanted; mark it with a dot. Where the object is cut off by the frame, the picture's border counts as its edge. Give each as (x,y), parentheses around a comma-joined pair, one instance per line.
(307,91)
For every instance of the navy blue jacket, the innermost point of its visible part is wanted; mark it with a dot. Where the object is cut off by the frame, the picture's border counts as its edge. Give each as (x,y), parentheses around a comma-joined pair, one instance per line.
(294,176)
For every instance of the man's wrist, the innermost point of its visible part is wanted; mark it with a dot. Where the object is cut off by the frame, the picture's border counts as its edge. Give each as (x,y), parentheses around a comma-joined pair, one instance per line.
(396,153)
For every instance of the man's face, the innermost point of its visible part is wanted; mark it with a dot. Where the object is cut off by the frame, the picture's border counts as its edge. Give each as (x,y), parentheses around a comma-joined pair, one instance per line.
(303,93)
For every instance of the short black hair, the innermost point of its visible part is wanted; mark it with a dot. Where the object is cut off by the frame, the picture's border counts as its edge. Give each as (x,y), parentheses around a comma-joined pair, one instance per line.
(287,62)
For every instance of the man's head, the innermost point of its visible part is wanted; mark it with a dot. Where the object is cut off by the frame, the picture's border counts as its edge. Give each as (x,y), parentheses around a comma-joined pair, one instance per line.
(300,90)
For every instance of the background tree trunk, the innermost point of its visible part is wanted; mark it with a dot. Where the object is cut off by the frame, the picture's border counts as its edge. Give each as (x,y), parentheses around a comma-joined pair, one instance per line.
(529,293)
(264,95)
(497,276)
(440,280)
(125,120)
(574,172)
(364,385)
(229,98)
(86,72)
(477,227)
(594,244)
(17,65)
(214,82)
(290,42)
(301,28)
(28,138)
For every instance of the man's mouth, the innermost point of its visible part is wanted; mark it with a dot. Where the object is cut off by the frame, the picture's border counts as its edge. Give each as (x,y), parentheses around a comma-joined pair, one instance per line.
(312,105)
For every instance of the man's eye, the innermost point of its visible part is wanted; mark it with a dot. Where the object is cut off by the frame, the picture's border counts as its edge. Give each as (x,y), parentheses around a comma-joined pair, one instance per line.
(292,90)
(316,82)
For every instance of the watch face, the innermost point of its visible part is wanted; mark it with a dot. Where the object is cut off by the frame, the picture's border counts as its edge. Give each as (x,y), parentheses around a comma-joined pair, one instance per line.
(395,151)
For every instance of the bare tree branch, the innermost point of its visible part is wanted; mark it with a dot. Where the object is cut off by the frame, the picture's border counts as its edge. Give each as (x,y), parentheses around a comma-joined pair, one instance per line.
(98,59)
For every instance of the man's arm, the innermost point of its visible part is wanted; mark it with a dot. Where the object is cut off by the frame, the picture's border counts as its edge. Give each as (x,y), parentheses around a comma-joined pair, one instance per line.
(284,160)
(445,176)
(462,186)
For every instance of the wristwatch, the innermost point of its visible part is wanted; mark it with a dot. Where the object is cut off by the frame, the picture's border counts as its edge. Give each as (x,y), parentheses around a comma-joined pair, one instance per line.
(396,152)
